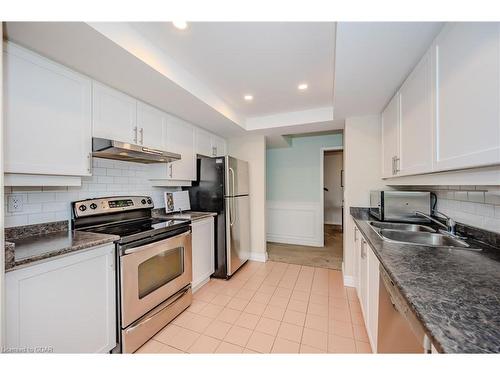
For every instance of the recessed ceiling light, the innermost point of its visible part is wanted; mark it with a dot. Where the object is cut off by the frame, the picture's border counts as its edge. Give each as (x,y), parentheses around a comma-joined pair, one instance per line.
(302,86)
(248,98)
(181,25)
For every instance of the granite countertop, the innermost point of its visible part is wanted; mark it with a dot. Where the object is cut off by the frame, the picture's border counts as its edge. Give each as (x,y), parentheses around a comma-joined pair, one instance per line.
(455,294)
(189,215)
(29,244)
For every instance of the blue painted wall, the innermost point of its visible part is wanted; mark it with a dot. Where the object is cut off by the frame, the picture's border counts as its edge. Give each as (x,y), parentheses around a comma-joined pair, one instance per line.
(293,173)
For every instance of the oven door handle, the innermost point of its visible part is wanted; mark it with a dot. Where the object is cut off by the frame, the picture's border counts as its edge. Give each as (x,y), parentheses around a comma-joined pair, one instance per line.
(158,309)
(141,248)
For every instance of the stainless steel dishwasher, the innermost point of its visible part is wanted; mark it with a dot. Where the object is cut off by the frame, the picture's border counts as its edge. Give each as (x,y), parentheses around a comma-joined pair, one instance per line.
(399,331)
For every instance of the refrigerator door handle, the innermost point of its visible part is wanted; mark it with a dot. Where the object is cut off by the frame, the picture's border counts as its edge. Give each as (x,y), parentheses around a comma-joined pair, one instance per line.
(231,172)
(231,204)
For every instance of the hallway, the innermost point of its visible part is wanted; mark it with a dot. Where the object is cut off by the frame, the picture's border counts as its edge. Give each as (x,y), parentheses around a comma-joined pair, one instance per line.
(330,256)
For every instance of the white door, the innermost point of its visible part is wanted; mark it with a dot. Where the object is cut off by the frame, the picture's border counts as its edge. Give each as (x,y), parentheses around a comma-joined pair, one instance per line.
(203,251)
(204,143)
(47,112)
(373,290)
(114,115)
(218,146)
(67,304)
(416,121)
(181,140)
(152,126)
(468,65)
(390,137)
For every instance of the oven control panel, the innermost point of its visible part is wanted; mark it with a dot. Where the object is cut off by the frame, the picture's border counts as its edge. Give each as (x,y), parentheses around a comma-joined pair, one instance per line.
(99,206)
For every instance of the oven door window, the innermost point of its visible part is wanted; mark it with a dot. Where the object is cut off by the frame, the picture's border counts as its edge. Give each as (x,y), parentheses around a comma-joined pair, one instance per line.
(159,270)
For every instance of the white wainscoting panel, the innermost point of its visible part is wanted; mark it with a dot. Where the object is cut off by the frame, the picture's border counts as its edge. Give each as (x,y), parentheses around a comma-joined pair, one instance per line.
(295,223)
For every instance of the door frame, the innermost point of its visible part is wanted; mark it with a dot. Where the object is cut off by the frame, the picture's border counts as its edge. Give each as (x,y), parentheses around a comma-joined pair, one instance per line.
(322,185)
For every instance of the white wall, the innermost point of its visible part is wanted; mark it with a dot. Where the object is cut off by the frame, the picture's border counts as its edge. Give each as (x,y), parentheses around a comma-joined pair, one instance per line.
(333,164)
(294,192)
(253,150)
(110,177)
(362,173)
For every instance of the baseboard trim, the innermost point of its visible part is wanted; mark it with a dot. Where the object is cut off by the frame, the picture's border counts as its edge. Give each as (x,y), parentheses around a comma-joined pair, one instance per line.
(259,257)
(293,240)
(195,287)
(348,280)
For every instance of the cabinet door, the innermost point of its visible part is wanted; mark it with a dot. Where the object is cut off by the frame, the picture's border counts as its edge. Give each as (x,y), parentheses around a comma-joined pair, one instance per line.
(152,126)
(204,143)
(390,136)
(181,139)
(47,112)
(218,146)
(357,253)
(467,126)
(372,302)
(363,277)
(67,304)
(416,121)
(203,251)
(114,115)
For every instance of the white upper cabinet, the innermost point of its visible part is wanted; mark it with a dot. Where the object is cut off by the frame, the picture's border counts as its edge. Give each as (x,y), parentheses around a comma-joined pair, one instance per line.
(115,115)
(390,137)
(467,126)
(151,126)
(47,114)
(204,143)
(209,145)
(181,140)
(218,146)
(416,120)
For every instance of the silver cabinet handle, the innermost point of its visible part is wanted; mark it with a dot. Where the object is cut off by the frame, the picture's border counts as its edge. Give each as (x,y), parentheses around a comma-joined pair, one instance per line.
(214,151)
(363,249)
(89,157)
(355,234)
(396,167)
(393,165)
(135,134)
(142,135)
(170,166)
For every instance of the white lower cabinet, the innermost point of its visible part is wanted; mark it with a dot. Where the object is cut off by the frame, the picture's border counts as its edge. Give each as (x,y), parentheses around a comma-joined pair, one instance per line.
(372,296)
(66,304)
(368,286)
(203,245)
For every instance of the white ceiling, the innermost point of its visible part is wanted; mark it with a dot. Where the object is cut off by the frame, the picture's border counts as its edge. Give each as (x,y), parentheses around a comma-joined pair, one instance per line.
(372,61)
(265,59)
(202,73)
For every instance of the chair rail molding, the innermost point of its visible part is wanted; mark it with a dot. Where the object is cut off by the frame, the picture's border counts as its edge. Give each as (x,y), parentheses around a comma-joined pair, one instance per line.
(297,223)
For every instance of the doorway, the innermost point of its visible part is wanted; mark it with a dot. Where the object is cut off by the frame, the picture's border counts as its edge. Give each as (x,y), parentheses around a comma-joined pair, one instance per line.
(330,189)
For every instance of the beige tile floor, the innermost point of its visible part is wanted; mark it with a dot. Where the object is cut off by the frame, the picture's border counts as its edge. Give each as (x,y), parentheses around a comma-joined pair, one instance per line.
(268,308)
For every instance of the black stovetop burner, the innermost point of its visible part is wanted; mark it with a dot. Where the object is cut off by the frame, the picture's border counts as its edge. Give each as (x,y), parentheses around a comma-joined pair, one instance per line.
(126,229)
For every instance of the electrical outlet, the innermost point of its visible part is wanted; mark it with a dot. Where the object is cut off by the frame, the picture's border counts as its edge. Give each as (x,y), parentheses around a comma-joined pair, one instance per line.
(15,203)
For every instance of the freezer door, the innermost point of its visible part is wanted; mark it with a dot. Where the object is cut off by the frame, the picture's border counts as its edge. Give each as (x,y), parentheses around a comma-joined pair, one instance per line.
(236,177)
(237,232)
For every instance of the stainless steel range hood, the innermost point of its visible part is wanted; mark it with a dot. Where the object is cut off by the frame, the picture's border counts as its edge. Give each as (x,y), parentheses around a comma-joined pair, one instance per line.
(109,149)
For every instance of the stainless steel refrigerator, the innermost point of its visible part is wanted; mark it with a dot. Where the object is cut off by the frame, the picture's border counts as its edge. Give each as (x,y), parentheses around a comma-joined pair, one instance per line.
(222,186)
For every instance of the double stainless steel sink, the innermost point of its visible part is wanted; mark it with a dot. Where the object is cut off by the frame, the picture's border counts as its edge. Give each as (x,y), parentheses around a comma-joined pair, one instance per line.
(416,234)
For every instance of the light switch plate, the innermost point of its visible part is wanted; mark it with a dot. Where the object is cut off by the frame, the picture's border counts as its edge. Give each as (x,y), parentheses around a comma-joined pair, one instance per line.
(15,203)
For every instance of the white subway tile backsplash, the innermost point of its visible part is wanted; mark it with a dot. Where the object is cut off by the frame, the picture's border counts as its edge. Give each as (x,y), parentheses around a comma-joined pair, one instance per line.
(477,206)
(476,196)
(109,177)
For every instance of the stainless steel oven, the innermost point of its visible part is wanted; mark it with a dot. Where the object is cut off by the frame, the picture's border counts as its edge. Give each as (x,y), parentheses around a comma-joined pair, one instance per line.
(154,270)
